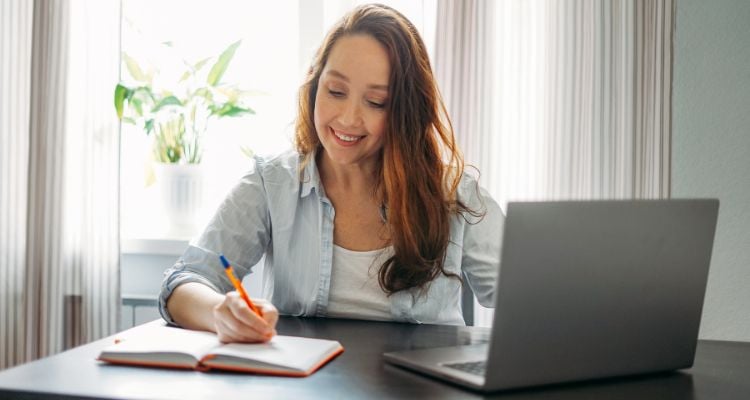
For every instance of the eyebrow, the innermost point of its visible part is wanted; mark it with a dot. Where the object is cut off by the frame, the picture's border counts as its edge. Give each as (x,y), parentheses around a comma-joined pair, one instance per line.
(345,78)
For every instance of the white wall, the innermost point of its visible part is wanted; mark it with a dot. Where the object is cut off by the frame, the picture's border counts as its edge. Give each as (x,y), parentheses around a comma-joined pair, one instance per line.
(711,147)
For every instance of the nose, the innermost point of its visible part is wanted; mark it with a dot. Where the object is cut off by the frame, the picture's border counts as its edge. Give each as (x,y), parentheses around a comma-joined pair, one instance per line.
(351,114)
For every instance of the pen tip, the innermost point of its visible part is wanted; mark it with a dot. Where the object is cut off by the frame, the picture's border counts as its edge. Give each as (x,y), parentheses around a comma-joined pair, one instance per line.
(224,261)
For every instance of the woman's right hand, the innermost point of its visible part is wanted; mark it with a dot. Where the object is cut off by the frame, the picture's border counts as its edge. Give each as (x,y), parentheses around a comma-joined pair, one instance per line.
(235,322)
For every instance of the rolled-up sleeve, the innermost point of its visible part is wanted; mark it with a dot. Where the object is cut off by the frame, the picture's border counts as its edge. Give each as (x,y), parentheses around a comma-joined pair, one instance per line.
(240,229)
(482,242)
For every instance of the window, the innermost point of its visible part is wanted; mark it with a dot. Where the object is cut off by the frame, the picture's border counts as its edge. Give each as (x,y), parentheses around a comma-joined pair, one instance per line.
(278,41)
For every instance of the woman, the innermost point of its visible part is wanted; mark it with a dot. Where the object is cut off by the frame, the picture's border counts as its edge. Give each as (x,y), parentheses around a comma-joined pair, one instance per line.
(370,217)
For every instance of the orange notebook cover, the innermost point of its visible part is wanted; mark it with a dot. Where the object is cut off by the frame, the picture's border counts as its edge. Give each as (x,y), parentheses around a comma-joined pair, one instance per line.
(159,345)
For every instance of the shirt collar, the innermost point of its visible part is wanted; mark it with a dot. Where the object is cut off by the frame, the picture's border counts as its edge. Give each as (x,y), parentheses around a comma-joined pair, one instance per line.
(310,177)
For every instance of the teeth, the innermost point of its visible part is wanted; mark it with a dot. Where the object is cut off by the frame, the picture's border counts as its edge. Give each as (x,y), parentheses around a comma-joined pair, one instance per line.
(347,138)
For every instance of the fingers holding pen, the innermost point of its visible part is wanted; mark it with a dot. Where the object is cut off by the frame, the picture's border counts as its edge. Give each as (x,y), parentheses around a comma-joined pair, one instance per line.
(235,322)
(229,334)
(249,318)
(270,313)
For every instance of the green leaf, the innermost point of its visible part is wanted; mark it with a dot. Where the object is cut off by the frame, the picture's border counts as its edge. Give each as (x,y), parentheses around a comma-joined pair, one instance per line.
(230,92)
(193,69)
(205,93)
(137,104)
(134,69)
(150,75)
(231,110)
(217,71)
(121,93)
(197,67)
(167,101)
(128,120)
(144,93)
(149,125)
(185,76)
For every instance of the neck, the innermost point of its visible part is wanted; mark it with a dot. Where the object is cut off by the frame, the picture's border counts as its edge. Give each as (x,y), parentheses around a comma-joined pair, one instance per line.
(352,178)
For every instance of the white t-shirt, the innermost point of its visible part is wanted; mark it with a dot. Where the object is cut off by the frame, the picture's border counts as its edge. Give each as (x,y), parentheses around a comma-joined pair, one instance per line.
(354,290)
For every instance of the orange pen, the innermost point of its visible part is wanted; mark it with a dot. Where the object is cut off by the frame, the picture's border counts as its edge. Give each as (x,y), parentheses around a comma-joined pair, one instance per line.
(238,285)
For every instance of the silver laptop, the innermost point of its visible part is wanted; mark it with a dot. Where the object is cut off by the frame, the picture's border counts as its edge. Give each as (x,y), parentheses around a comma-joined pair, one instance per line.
(588,289)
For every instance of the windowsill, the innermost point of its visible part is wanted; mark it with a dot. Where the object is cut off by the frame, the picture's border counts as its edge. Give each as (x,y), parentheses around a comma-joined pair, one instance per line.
(142,265)
(139,300)
(153,246)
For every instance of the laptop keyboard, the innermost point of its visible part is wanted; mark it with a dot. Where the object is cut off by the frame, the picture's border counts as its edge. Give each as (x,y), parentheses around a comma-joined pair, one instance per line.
(472,367)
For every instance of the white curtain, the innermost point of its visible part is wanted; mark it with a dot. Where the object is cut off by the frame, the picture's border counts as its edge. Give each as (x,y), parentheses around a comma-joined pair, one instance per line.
(59,147)
(464,44)
(580,98)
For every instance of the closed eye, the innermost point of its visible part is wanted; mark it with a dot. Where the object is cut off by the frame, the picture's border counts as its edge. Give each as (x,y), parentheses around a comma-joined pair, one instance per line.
(336,93)
(376,104)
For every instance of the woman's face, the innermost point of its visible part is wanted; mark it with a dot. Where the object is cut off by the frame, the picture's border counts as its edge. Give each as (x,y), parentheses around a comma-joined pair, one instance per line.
(350,105)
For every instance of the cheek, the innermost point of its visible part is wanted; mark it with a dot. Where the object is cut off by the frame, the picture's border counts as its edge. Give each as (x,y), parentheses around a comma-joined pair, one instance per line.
(316,112)
(322,113)
(377,124)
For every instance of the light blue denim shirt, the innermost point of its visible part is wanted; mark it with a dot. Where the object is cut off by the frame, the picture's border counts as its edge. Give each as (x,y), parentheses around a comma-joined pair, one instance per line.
(272,212)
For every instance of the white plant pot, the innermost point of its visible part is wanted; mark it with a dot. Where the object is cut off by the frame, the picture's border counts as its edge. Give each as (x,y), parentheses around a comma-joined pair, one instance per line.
(181,188)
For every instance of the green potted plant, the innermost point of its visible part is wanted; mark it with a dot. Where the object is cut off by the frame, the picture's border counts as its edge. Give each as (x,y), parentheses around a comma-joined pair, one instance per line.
(175,110)
(177,114)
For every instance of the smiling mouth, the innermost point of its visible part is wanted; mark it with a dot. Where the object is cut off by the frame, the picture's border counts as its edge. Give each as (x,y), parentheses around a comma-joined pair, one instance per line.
(347,138)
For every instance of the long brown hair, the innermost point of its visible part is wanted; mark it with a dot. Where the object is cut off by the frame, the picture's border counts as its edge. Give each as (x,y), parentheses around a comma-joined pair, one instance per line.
(421,165)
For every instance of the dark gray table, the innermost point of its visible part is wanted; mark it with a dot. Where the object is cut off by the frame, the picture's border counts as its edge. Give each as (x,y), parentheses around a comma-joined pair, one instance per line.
(721,371)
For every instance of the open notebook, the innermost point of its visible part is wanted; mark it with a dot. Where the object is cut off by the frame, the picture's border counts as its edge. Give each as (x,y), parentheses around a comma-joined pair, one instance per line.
(159,345)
